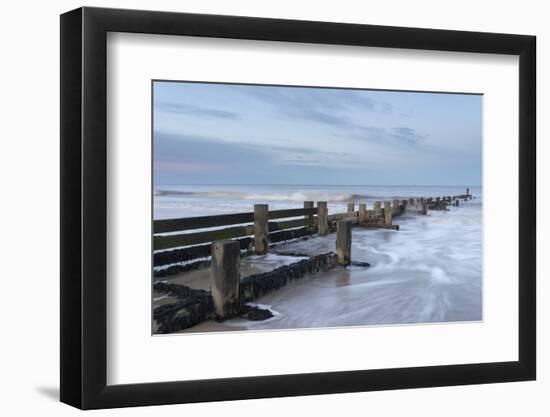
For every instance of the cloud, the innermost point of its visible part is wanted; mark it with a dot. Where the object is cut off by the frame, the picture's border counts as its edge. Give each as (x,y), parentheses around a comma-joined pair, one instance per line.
(181,108)
(188,153)
(381,135)
(188,159)
(322,105)
(405,134)
(334,108)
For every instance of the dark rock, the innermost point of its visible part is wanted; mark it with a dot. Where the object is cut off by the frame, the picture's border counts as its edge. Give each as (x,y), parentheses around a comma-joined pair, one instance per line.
(254,313)
(256,285)
(193,307)
(291,253)
(360,264)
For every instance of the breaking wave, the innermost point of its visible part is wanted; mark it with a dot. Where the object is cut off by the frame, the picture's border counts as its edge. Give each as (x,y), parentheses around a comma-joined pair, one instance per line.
(299,196)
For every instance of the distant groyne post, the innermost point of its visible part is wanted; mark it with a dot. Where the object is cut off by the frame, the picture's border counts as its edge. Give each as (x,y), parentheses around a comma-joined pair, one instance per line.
(261,229)
(322,218)
(467,192)
(362,213)
(351,209)
(387,212)
(225,277)
(397,206)
(308,218)
(343,242)
(377,207)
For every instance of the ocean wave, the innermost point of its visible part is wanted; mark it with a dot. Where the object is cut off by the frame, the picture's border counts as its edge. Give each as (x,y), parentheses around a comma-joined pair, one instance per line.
(265,196)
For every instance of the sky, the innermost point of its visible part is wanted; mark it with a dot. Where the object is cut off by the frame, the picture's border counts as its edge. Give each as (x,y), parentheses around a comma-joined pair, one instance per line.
(208,133)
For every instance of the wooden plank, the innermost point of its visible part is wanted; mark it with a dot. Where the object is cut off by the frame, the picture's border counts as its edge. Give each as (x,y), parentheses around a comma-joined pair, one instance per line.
(190,223)
(283,235)
(172,241)
(281,214)
(289,224)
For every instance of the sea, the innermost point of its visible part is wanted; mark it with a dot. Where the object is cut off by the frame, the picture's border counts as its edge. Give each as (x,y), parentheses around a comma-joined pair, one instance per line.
(430,271)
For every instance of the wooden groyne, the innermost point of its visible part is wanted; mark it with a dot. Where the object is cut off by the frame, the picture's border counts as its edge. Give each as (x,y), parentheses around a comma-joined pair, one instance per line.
(189,243)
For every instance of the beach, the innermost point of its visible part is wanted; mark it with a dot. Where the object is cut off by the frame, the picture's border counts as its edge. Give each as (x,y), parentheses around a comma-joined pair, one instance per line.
(429,271)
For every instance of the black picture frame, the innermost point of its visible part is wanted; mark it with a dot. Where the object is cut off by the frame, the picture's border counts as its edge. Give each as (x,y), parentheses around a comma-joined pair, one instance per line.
(84,207)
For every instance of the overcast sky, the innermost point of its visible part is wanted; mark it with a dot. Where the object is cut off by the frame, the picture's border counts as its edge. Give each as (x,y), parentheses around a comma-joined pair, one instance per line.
(240,134)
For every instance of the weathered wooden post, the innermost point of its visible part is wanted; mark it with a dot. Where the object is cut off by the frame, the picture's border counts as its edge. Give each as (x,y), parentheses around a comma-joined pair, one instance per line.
(424,208)
(308,218)
(467,192)
(411,201)
(351,209)
(225,277)
(396,207)
(322,218)
(261,229)
(457,201)
(343,242)
(362,213)
(387,212)
(377,207)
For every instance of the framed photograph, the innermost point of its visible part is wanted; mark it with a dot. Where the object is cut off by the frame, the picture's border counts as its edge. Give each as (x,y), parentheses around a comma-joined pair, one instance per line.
(257,207)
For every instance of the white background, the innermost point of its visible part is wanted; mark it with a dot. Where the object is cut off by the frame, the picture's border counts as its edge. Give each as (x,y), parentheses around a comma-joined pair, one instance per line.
(29,307)
(133,60)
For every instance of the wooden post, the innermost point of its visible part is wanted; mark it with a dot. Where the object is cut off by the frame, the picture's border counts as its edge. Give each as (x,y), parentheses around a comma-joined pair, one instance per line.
(411,201)
(362,213)
(377,207)
(457,202)
(387,212)
(343,242)
(308,218)
(261,229)
(351,209)
(225,277)
(467,192)
(322,218)
(424,209)
(396,206)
